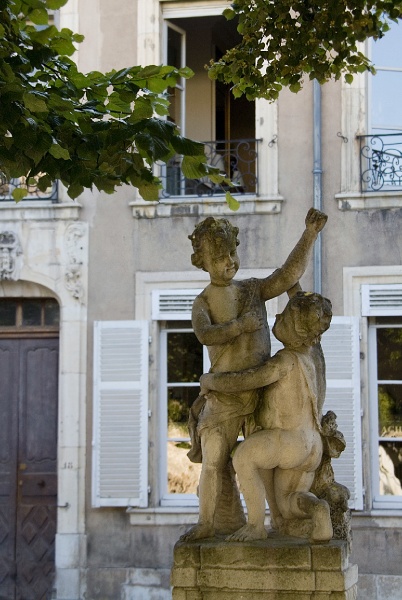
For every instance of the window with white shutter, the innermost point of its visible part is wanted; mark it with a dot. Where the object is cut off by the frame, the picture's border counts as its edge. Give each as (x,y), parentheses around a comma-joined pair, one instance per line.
(120,414)
(340,345)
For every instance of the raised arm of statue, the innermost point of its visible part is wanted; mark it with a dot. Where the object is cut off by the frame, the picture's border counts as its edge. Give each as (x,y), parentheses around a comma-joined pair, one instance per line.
(289,274)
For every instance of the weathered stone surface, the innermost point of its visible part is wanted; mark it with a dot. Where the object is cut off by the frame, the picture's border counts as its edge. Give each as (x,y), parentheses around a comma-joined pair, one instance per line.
(273,569)
(259,555)
(329,557)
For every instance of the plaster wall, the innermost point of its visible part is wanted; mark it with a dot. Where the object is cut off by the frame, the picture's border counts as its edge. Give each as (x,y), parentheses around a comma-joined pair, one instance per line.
(110,41)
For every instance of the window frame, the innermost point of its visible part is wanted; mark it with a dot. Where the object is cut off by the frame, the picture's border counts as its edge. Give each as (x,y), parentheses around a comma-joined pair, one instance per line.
(356,121)
(379,501)
(169,499)
(150,25)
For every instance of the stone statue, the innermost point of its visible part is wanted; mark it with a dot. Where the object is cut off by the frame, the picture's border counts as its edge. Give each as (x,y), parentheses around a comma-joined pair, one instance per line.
(229,317)
(278,463)
(324,484)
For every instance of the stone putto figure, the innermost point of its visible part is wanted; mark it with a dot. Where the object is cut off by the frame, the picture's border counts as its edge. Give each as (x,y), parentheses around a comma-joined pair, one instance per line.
(278,463)
(229,317)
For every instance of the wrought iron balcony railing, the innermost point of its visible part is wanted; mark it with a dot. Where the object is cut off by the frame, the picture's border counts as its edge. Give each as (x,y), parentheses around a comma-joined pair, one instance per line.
(236,159)
(381,162)
(32,191)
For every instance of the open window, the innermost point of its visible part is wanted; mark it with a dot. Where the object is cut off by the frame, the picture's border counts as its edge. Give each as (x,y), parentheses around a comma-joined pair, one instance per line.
(206,110)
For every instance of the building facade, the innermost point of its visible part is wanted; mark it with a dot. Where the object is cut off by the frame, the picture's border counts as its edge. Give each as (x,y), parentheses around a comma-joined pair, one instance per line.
(95,313)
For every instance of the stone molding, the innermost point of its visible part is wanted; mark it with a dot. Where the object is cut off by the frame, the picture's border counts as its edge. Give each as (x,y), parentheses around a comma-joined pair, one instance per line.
(10,249)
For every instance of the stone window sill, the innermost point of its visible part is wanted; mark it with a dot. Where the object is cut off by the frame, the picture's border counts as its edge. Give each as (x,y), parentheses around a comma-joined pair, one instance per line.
(369,201)
(204,207)
(39,211)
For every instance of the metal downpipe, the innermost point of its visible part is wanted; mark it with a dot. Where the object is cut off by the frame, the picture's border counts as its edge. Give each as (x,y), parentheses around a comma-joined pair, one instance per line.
(317,182)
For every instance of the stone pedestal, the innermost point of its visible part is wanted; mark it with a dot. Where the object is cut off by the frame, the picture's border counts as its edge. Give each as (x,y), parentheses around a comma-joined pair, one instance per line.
(274,569)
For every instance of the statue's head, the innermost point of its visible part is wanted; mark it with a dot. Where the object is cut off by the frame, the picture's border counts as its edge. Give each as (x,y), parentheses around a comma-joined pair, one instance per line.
(305,318)
(216,236)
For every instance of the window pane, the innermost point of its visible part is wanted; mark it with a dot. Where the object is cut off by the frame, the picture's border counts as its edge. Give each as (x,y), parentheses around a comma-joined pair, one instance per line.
(31,312)
(390,410)
(180,400)
(184,358)
(386,52)
(8,311)
(390,455)
(183,475)
(174,49)
(389,353)
(386,105)
(52,312)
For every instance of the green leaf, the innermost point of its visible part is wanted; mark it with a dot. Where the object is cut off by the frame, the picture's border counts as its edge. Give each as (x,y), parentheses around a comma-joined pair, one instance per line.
(34,103)
(75,190)
(55,4)
(193,167)
(186,146)
(39,16)
(58,152)
(229,14)
(149,192)
(19,194)
(232,202)
(349,78)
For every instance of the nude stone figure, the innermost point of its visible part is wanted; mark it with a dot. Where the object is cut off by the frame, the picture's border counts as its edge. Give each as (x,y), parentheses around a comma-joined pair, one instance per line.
(229,317)
(278,463)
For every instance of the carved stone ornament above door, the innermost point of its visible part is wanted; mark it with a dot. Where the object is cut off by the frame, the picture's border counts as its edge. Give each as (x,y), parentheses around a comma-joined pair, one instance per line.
(10,249)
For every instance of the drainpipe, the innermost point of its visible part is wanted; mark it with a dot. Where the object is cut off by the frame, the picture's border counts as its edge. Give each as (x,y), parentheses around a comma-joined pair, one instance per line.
(317,181)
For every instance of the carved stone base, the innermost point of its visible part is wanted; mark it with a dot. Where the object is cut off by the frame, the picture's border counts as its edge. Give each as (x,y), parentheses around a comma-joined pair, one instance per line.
(279,568)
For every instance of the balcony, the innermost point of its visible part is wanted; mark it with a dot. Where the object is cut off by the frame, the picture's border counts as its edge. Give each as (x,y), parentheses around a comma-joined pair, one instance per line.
(381,162)
(237,159)
(32,191)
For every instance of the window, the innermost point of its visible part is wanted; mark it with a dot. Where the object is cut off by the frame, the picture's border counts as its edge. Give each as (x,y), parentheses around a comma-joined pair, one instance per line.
(372,112)
(27,314)
(386,85)
(385,347)
(245,148)
(183,361)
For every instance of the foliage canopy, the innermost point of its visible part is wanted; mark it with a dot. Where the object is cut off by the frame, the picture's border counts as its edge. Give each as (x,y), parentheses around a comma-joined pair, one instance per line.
(283,41)
(94,129)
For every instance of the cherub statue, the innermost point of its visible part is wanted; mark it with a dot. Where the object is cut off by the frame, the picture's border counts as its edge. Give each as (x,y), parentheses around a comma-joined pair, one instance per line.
(278,463)
(229,317)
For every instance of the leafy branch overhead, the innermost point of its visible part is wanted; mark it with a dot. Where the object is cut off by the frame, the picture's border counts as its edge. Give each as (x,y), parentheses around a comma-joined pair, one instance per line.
(283,41)
(95,129)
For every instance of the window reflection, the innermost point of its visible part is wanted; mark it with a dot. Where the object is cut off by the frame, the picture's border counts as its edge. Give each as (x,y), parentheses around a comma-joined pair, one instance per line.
(8,313)
(31,313)
(184,368)
(390,460)
(390,410)
(184,358)
(389,353)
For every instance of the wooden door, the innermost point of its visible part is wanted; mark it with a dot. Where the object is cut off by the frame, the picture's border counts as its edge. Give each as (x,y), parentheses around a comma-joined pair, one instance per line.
(28,466)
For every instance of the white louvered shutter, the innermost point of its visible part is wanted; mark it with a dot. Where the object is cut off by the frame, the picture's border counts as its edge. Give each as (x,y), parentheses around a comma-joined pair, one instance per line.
(173,304)
(341,349)
(120,423)
(381,300)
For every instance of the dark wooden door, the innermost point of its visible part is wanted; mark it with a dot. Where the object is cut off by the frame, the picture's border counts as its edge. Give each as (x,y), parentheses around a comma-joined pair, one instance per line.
(28,466)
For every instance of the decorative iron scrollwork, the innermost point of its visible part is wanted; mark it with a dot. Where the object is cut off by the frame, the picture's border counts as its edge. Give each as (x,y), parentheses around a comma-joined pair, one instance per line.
(381,162)
(235,159)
